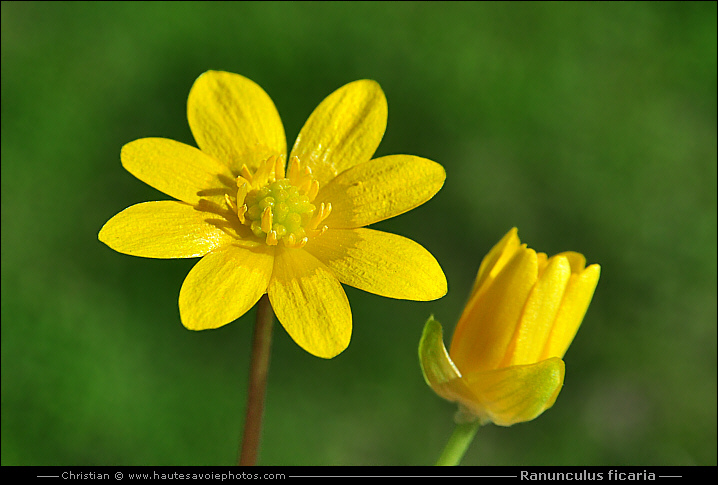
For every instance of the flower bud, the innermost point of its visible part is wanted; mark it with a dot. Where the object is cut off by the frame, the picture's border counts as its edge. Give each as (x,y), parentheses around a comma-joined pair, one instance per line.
(505,361)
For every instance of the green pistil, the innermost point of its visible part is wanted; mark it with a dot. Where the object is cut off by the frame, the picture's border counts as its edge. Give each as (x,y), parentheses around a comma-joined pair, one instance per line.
(290,209)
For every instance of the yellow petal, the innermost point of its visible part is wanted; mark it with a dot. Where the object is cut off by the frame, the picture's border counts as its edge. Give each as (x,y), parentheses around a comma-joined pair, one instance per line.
(487,325)
(378,189)
(345,129)
(573,308)
(539,314)
(234,120)
(577,261)
(178,170)
(496,259)
(164,229)
(514,394)
(224,285)
(380,263)
(310,303)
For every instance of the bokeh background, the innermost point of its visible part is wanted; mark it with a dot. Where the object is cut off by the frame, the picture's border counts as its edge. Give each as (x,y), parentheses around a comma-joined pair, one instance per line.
(590,127)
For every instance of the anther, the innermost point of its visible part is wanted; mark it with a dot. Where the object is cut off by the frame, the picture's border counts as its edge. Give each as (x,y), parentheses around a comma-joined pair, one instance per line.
(261,176)
(240,213)
(272,238)
(313,190)
(267,220)
(279,168)
(246,173)
(320,215)
(293,170)
(231,204)
(242,189)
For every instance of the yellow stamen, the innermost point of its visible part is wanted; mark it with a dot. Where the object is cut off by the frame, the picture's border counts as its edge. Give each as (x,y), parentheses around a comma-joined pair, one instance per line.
(240,213)
(272,238)
(267,220)
(231,204)
(313,190)
(242,189)
(261,175)
(279,168)
(304,180)
(246,174)
(320,215)
(276,202)
(293,242)
(293,170)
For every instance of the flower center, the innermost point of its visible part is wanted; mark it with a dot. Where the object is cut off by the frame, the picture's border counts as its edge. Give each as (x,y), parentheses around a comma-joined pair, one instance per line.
(277,206)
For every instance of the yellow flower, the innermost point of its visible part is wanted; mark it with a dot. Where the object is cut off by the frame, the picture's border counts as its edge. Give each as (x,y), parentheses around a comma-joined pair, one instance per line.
(504,364)
(293,230)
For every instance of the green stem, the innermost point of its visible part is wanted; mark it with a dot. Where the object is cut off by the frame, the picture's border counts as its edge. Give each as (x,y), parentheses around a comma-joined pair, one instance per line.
(458,444)
(256,390)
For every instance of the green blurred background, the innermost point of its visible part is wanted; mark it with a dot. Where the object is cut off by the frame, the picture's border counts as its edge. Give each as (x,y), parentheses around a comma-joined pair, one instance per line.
(590,127)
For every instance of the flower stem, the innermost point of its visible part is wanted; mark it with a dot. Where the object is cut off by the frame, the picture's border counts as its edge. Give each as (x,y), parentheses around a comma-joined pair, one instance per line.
(258,368)
(458,444)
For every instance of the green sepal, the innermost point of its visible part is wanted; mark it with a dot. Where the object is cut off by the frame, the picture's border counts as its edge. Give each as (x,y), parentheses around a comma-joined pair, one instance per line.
(436,365)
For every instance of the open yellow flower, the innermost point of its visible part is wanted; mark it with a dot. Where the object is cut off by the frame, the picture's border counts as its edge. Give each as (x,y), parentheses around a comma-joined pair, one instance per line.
(293,230)
(505,363)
